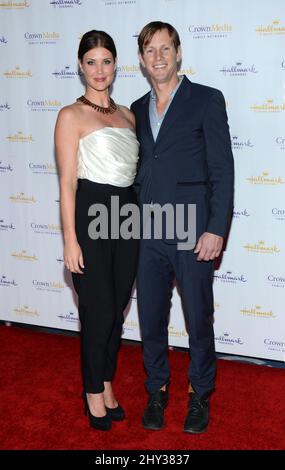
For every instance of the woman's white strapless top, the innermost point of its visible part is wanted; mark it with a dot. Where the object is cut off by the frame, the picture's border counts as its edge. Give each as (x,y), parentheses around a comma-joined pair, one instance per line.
(108,156)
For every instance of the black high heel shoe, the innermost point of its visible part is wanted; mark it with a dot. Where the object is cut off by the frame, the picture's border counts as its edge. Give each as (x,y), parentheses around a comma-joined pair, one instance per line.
(116,414)
(103,423)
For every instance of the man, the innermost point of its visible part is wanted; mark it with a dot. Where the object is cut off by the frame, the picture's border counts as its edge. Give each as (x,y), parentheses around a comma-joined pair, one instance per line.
(186,158)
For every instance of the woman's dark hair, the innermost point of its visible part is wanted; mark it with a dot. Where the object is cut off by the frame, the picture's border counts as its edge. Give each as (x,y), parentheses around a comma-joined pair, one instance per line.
(93,39)
(150,29)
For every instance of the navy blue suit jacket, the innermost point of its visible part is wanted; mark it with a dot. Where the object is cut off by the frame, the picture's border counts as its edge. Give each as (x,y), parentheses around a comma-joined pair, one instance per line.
(191,160)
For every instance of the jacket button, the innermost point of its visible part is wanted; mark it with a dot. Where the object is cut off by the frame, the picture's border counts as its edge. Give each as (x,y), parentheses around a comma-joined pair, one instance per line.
(155,156)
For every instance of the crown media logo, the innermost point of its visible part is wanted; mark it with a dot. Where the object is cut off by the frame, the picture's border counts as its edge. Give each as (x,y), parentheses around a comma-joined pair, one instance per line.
(3,40)
(275,28)
(66,72)
(229,277)
(5,167)
(174,333)
(130,325)
(44,105)
(240,213)
(227,340)
(260,247)
(43,168)
(266,180)
(20,137)
(207,31)
(4,106)
(18,73)
(22,198)
(65,3)
(274,345)
(26,311)
(187,71)
(128,71)
(238,70)
(268,107)
(240,144)
(13,5)
(6,282)
(112,3)
(276,281)
(48,286)
(47,229)
(278,214)
(257,312)
(6,226)
(44,37)
(23,256)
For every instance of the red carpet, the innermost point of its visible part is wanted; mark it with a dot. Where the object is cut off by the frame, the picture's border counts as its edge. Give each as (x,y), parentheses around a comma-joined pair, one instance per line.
(41,404)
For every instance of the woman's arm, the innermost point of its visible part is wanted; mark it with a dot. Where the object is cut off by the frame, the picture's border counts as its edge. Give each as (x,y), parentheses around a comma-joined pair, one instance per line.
(66,145)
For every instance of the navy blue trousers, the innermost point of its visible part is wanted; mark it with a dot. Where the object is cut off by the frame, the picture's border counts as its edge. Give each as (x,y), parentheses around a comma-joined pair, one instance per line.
(159,264)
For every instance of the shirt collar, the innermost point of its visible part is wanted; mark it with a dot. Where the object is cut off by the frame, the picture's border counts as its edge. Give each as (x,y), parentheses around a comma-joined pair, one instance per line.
(153,95)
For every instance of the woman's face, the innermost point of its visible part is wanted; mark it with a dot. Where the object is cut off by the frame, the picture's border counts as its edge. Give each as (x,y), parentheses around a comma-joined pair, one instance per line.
(98,66)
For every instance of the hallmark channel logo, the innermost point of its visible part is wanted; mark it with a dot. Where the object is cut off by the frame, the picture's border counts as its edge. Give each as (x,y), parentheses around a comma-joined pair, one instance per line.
(4,107)
(17,72)
(268,107)
(3,40)
(48,286)
(257,311)
(240,213)
(69,317)
(266,180)
(274,345)
(207,31)
(227,340)
(261,248)
(66,72)
(5,167)
(65,3)
(238,70)
(274,28)
(46,229)
(240,144)
(44,37)
(278,214)
(20,137)
(6,282)
(22,198)
(128,71)
(43,168)
(14,5)
(280,142)
(23,256)
(44,105)
(6,226)
(276,281)
(229,277)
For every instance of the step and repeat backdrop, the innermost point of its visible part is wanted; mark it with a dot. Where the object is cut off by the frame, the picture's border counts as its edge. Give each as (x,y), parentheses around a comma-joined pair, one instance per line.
(236,46)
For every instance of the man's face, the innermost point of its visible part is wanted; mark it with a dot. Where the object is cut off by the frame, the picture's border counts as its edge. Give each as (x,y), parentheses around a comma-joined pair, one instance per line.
(160,57)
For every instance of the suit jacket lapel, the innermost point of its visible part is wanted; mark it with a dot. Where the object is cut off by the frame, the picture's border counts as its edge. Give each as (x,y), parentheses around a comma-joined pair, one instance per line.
(176,107)
(145,119)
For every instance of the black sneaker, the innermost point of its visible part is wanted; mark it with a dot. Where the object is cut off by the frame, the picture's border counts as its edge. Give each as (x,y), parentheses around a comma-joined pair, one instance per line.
(153,417)
(197,418)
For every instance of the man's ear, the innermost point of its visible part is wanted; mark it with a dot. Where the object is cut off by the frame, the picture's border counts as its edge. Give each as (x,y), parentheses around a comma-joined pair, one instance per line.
(179,54)
(141,60)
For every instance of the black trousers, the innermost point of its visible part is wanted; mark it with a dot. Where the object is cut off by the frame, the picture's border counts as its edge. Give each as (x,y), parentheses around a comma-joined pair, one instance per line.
(105,287)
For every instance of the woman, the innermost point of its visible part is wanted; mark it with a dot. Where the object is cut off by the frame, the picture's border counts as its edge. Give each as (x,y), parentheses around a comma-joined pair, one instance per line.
(97,154)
